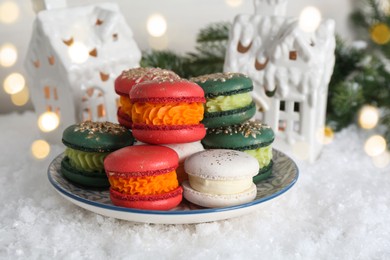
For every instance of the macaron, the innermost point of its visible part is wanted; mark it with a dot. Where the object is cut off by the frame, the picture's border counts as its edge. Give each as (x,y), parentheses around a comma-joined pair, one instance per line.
(144,177)
(229,99)
(220,178)
(166,111)
(251,137)
(88,143)
(184,151)
(124,83)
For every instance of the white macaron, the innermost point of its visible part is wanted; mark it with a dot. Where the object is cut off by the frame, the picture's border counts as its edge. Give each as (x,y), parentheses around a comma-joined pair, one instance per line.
(220,178)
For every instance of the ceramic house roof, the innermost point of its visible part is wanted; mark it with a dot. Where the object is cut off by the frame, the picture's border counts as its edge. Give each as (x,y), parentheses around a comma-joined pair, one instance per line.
(101,28)
(274,51)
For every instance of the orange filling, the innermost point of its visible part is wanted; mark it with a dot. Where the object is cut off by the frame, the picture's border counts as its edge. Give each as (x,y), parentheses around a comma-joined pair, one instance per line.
(147,185)
(126,105)
(167,114)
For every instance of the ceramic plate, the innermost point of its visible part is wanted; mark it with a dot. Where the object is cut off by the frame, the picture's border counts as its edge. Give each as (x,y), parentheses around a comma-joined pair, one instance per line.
(284,176)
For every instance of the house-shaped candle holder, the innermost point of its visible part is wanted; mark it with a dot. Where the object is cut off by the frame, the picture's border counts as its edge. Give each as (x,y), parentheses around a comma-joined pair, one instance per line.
(73,58)
(290,69)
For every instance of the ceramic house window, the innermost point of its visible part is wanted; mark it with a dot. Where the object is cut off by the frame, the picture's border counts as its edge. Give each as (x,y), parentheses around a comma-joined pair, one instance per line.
(51,98)
(93,105)
(289,117)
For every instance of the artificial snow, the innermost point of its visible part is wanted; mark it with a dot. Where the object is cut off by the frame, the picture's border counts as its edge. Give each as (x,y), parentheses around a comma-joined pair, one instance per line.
(338,209)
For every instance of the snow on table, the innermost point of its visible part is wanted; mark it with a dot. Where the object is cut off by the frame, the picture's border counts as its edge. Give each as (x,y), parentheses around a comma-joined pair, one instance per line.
(338,209)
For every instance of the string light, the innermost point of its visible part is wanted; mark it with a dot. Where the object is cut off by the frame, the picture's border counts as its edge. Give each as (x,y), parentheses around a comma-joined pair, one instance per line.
(368,117)
(20,98)
(9,12)
(325,135)
(156,25)
(14,83)
(309,19)
(8,55)
(78,52)
(380,33)
(40,149)
(375,145)
(233,3)
(48,121)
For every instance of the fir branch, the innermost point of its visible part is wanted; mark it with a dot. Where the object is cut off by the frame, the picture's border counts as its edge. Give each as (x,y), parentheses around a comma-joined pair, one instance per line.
(376,13)
(214,32)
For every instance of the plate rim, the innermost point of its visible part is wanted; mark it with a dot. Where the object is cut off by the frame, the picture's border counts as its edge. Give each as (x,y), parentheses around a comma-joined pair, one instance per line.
(171,212)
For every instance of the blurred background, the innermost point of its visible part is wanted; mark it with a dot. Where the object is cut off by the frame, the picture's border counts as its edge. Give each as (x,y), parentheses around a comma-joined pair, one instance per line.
(183,21)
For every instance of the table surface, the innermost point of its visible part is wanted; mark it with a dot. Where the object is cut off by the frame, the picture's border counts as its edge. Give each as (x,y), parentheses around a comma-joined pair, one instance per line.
(339,209)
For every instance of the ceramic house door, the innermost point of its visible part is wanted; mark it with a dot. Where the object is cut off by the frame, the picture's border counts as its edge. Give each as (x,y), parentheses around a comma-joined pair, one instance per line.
(93,105)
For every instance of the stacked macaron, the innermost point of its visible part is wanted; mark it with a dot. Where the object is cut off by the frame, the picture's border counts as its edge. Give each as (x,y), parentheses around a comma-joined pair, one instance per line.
(251,137)
(220,178)
(228,98)
(161,109)
(125,82)
(167,111)
(228,108)
(144,177)
(88,143)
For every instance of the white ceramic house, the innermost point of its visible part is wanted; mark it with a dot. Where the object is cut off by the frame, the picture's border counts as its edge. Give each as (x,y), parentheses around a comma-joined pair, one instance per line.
(291,70)
(73,58)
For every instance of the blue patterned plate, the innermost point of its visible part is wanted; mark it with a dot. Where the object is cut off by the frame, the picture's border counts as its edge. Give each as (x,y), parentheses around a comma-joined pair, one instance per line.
(284,176)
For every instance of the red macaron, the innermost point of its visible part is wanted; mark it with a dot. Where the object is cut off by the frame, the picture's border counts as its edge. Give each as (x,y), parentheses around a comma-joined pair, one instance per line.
(167,111)
(125,82)
(144,177)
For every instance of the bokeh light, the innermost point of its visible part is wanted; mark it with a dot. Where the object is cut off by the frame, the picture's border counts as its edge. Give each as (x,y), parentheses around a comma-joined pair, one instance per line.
(21,98)
(9,12)
(8,55)
(156,25)
(233,3)
(382,160)
(325,135)
(40,149)
(48,121)
(301,150)
(380,33)
(375,145)
(78,52)
(368,117)
(309,19)
(14,83)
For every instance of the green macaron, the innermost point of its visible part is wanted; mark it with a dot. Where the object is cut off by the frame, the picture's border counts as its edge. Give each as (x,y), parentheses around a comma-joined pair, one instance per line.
(251,137)
(228,98)
(88,143)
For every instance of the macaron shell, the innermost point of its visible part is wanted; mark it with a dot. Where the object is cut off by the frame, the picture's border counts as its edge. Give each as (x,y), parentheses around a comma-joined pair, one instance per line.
(141,159)
(128,78)
(123,85)
(237,140)
(94,179)
(167,91)
(221,84)
(221,164)
(264,173)
(86,137)
(124,119)
(168,134)
(164,201)
(218,201)
(230,117)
